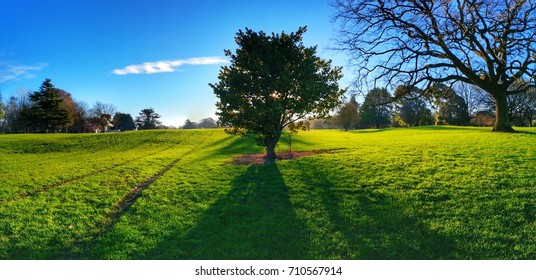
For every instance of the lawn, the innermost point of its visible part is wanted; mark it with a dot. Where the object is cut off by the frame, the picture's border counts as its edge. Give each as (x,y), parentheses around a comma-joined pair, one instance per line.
(422,193)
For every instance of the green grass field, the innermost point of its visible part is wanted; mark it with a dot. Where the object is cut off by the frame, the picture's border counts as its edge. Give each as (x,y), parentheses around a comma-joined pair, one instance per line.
(424,193)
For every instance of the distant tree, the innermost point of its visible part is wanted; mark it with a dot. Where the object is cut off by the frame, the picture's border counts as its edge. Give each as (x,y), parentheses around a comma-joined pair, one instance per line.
(69,105)
(46,112)
(81,118)
(101,114)
(452,111)
(14,110)
(1,106)
(376,109)
(411,108)
(188,124)
(273,81)
(522,108)
(123,122)
(483,118)
(348,115)
(148,119)
(489,44)
(207,123)
(2,113)
(320,123)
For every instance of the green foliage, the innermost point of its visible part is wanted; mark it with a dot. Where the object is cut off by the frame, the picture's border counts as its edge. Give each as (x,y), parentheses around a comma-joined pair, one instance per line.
(348,116)
(273,81)
(46,112)
(376,109)
(417,193)
(411,108)
(123,122)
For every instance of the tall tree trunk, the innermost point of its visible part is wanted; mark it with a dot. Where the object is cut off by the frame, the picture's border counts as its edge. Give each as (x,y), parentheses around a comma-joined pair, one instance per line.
(502,124)
(270,148)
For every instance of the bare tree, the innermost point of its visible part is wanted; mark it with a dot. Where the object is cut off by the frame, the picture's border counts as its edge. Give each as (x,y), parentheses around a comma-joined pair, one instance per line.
(490,44)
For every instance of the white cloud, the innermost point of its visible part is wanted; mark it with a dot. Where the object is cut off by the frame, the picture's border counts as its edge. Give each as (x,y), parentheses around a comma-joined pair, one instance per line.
(167,65)
(10,72)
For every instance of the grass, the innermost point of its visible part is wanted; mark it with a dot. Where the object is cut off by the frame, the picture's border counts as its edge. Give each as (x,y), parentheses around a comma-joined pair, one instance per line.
(422,193)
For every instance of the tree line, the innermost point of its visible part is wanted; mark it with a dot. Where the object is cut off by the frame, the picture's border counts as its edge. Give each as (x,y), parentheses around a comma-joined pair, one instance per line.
(437,105)
(51,109)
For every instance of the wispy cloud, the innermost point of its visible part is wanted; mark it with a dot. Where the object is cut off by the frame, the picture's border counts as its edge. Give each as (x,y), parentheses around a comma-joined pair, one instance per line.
(167,65)
(10,72)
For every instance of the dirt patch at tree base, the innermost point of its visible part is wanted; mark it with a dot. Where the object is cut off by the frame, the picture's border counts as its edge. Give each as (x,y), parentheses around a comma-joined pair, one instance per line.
(261,158)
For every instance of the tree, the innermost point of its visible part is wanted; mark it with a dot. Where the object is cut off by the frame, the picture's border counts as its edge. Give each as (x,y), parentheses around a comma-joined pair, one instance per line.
(489,44)
(46,112)
(1,106)
(411,109)
(207,123)
(14,110)
(376,109)
(81,114)
(272,82)
(123,122)
(348,115)
(101,115)
(188,124)
(1,113)
(148,119)
(452,111)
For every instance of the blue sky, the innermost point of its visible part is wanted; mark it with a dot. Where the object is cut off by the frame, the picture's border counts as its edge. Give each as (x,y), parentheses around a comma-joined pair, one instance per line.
(138,54)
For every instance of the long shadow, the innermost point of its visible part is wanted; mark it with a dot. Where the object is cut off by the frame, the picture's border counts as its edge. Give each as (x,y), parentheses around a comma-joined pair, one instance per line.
(255,220)
(372,224)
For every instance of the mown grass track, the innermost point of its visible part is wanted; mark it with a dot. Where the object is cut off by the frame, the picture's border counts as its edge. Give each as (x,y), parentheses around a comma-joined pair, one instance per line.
(425,193)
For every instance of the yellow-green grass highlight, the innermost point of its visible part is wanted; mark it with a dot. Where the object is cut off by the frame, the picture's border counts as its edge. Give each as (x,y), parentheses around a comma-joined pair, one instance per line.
(419,193)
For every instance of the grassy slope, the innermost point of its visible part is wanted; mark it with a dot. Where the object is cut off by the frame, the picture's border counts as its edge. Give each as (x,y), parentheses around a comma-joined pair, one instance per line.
(427,193)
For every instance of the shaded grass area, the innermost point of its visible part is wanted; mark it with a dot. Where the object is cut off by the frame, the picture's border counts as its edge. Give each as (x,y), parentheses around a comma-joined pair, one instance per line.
(426,193)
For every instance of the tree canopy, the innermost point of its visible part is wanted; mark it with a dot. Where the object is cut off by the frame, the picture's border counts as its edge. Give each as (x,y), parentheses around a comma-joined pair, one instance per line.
(489,44)
(123,122)
(348,115)
(148,119)
(46,112)
(376,110)
(272,82)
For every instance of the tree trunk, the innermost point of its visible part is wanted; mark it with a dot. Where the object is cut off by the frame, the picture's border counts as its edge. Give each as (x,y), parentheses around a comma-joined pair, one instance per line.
(502,124)
(270,148)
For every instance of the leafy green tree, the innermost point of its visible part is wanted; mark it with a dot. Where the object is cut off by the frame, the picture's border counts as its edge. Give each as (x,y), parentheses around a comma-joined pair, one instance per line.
(123,122)
(376,109)
(489,44)
(272,82)
(452,111)
(148,119)
(46,112)
(411,108)
(348,115)
(451,107)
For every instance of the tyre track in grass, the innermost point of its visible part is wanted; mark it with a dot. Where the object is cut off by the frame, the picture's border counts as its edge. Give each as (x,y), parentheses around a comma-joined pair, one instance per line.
(112,167)
(108,221)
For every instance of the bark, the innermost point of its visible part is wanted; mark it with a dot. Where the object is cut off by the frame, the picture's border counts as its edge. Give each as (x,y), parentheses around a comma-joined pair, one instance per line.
(502,123)
(270,148)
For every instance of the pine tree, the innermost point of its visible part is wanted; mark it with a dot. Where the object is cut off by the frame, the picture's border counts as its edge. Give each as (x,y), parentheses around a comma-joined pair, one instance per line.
(46,112)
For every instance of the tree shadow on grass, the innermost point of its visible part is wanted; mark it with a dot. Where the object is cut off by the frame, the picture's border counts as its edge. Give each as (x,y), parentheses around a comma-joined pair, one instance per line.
(255,220)
(369,223)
